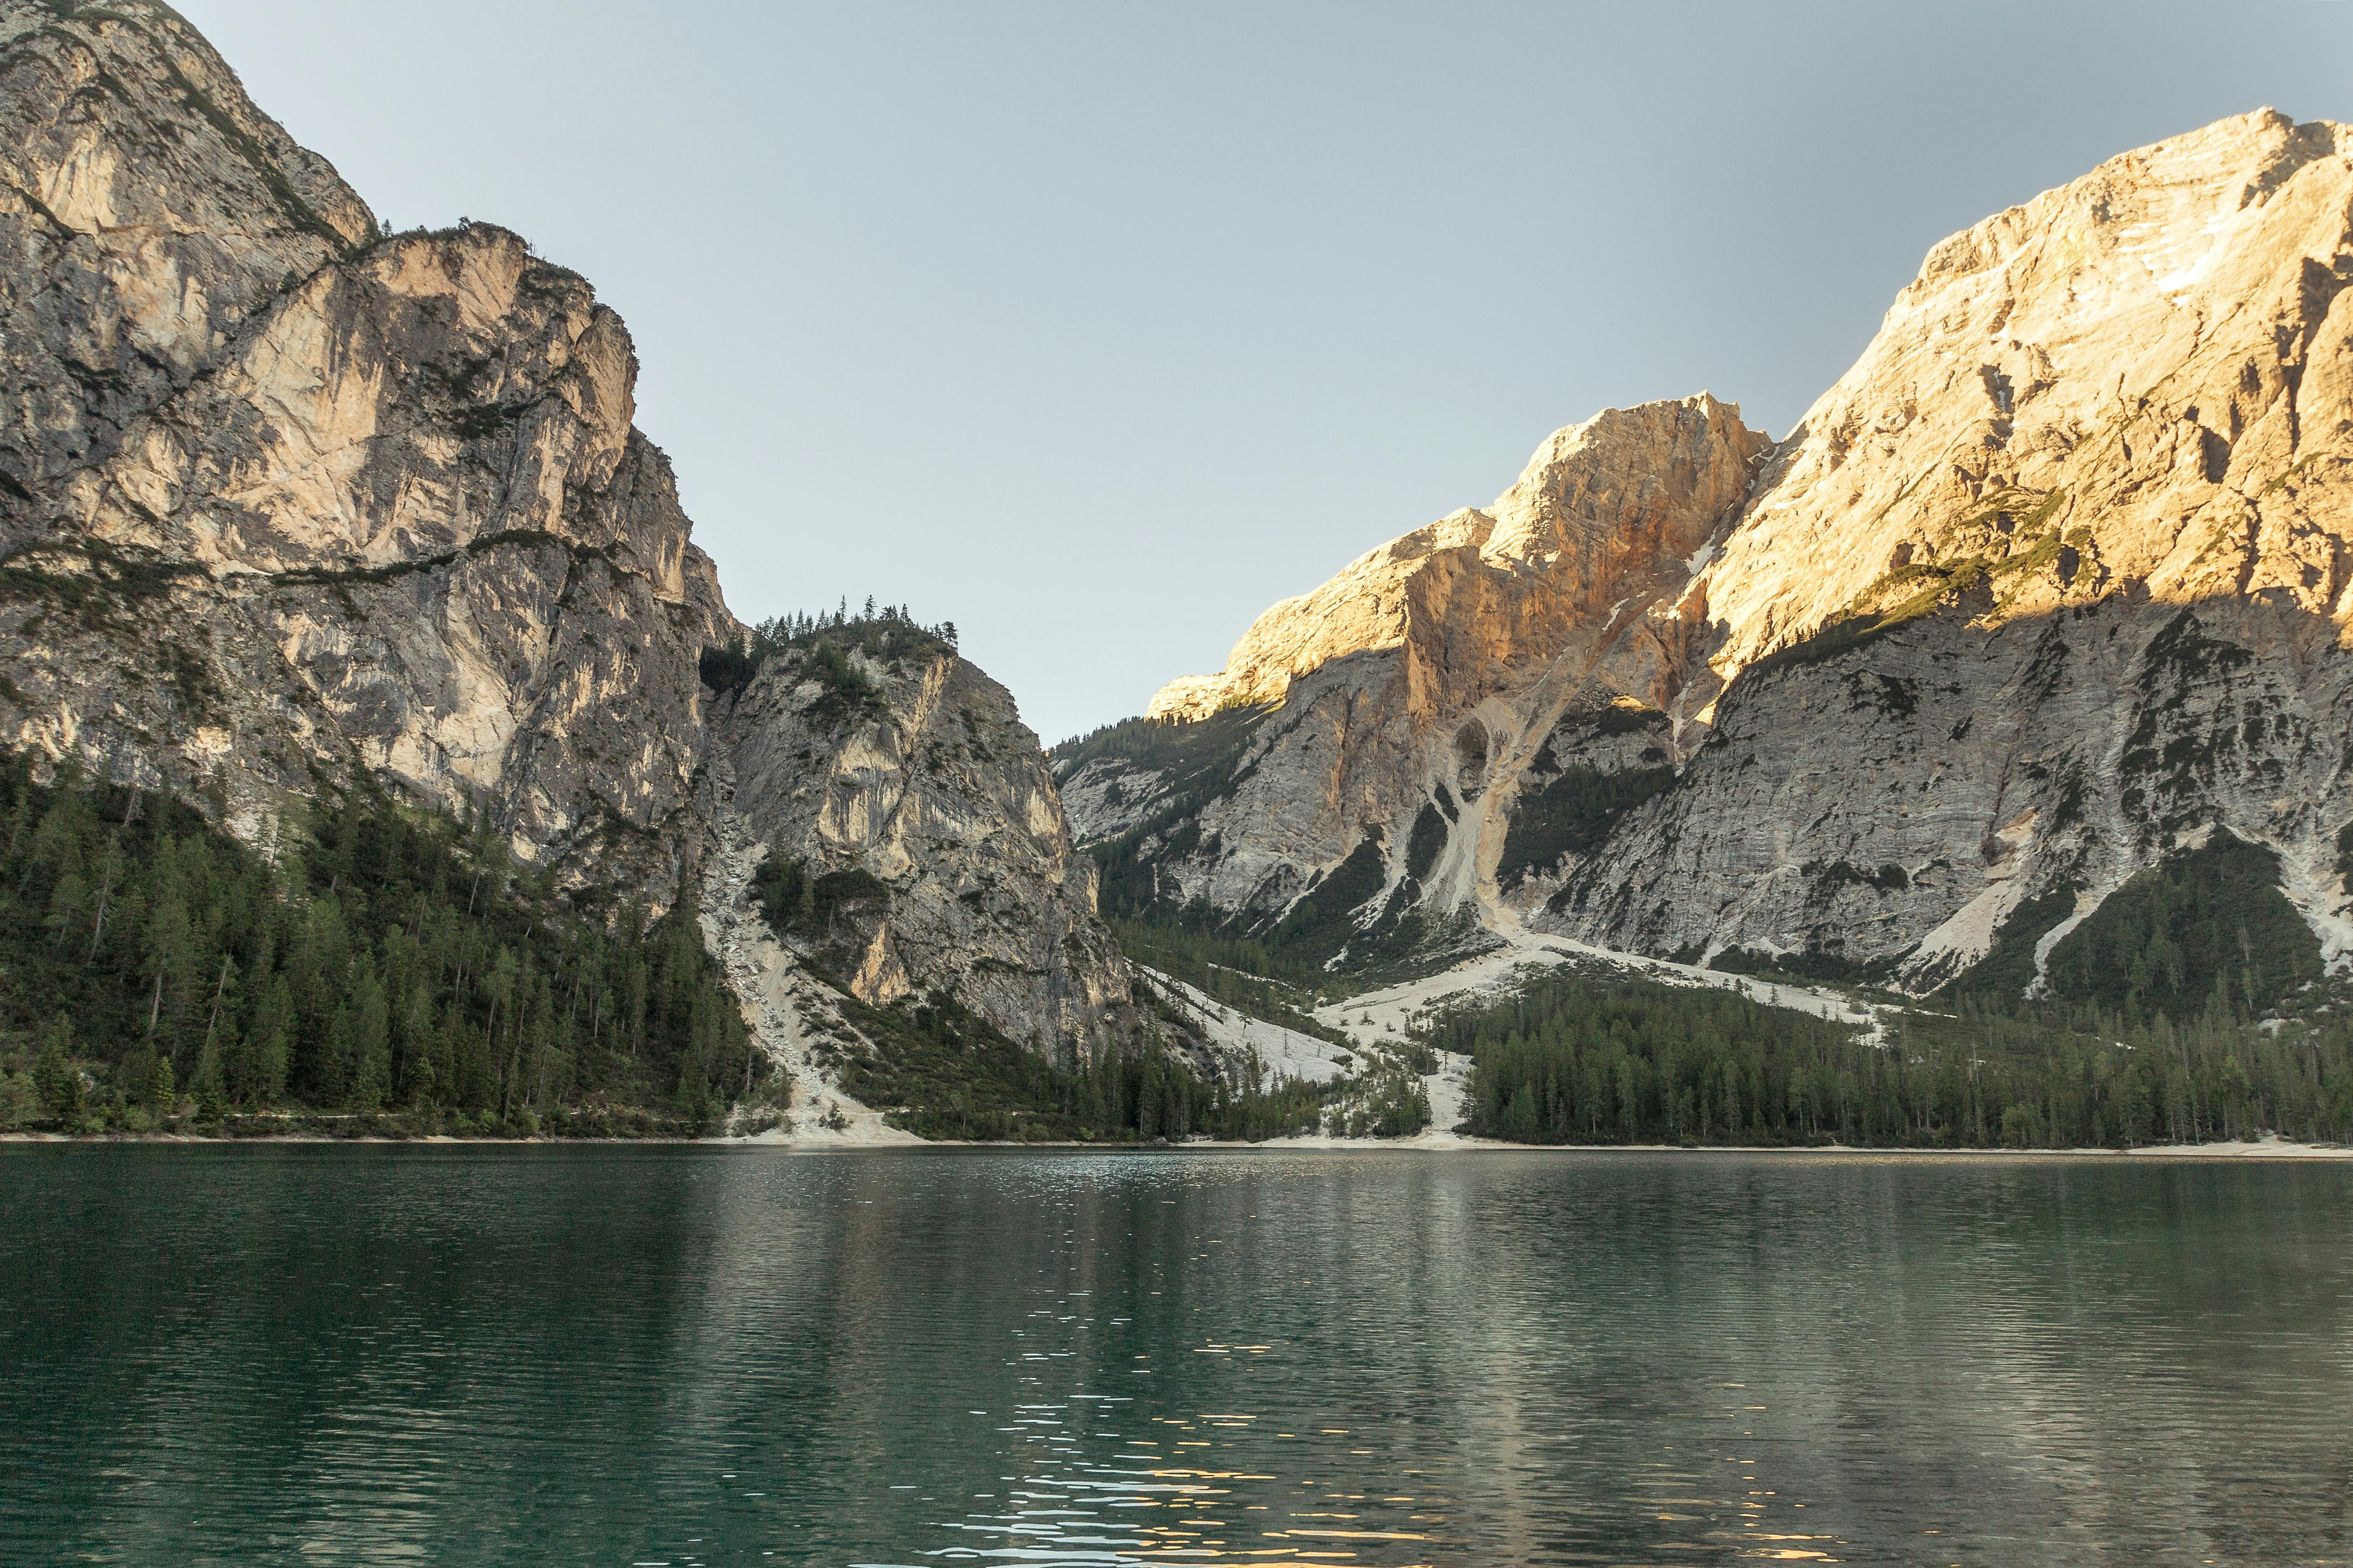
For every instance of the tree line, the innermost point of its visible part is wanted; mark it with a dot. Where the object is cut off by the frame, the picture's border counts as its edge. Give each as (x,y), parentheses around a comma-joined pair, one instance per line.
(882,633)
(1576,1060)
(944,1072)
(389,961)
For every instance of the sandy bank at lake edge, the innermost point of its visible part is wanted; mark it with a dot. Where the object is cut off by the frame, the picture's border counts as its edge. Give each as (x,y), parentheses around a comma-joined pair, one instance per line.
(1429,1143)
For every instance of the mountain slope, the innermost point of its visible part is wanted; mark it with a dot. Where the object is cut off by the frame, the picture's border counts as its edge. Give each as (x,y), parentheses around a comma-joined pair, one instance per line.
(2049,589)
(292,509)
(1407,685)
(290,501)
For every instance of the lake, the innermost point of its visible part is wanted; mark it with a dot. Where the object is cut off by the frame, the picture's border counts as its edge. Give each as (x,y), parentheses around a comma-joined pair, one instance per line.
(689,1355)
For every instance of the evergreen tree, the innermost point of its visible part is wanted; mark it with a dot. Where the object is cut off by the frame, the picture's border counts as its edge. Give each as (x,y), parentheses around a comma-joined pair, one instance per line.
(55,1075)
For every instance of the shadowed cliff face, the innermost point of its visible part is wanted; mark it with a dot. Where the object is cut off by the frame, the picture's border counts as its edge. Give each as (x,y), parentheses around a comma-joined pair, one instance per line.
(1889,809)
(2051,585)
(286,502)
(935,791)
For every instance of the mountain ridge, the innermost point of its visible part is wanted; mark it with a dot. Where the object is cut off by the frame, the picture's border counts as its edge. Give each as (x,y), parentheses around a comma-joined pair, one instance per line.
(2107,418)
(343,538)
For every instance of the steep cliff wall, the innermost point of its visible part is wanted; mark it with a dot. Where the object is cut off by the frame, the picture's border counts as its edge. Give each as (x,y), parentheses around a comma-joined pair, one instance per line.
(923,805)
(2050,586)
(291,499)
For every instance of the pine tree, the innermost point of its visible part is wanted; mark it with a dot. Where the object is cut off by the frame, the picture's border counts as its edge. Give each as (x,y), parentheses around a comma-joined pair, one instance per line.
(372,1044)
(55,1075)
(211,1082)
(268,1042)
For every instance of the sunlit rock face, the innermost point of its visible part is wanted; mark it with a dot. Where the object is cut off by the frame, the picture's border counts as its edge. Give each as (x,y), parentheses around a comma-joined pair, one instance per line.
(287,502)
(1428,673)
(2098,453)
(2051,583)
(288,499)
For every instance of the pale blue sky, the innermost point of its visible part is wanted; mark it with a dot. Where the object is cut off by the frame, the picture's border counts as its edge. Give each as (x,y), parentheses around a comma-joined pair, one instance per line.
(1096,329)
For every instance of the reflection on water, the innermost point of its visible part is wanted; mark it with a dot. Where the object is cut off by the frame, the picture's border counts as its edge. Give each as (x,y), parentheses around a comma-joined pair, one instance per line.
(690,1356)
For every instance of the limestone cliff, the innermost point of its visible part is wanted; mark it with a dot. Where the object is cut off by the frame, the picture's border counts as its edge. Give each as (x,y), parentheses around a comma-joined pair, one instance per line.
(289,498)
(2051,584)
(285,501)
(1394,706)
(919,791)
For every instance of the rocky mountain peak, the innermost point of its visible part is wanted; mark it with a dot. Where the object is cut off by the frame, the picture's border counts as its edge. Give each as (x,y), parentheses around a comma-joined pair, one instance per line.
(1603,507)
(1624,479)
(2118,372)
(158,208)
(2050,587)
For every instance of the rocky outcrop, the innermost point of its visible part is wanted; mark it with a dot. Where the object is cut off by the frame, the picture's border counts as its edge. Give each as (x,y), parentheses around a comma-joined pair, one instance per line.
(1606,511)
(908,781)
(2051,585)
(287,502)
(147,212)
(1414,687)
(2125,370)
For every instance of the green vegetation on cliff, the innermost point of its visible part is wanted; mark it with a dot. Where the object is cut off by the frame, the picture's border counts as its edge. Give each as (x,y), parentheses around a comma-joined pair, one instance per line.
(2208,927)
(822,644)
(1571,813)
(2032,542)
(390,969)
(1186,764)
(2210,924)
(1244,974)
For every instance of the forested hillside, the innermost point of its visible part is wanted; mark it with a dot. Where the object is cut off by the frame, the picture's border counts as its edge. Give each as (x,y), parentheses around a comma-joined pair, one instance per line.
(1576,1060)
(390,972)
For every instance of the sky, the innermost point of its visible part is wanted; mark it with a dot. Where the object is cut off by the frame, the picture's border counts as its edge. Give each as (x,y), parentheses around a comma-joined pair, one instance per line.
(1096,329)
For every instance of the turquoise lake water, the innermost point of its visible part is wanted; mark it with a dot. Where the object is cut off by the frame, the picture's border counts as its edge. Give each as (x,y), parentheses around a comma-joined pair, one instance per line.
(690,1355)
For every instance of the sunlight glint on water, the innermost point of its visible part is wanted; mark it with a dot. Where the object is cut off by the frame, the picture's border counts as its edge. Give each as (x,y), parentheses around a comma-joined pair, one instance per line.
(690,1356)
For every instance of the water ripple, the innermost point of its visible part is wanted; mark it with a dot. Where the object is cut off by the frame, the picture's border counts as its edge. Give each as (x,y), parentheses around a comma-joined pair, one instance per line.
(693,1356)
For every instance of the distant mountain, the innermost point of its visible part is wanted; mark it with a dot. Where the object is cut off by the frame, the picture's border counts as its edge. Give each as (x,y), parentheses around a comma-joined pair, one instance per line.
(2049,592)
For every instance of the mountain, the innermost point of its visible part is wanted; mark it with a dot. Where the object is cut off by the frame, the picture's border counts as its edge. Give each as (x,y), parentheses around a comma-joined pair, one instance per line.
(2046,596)
(376,744)
(293,510)
(907,778)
